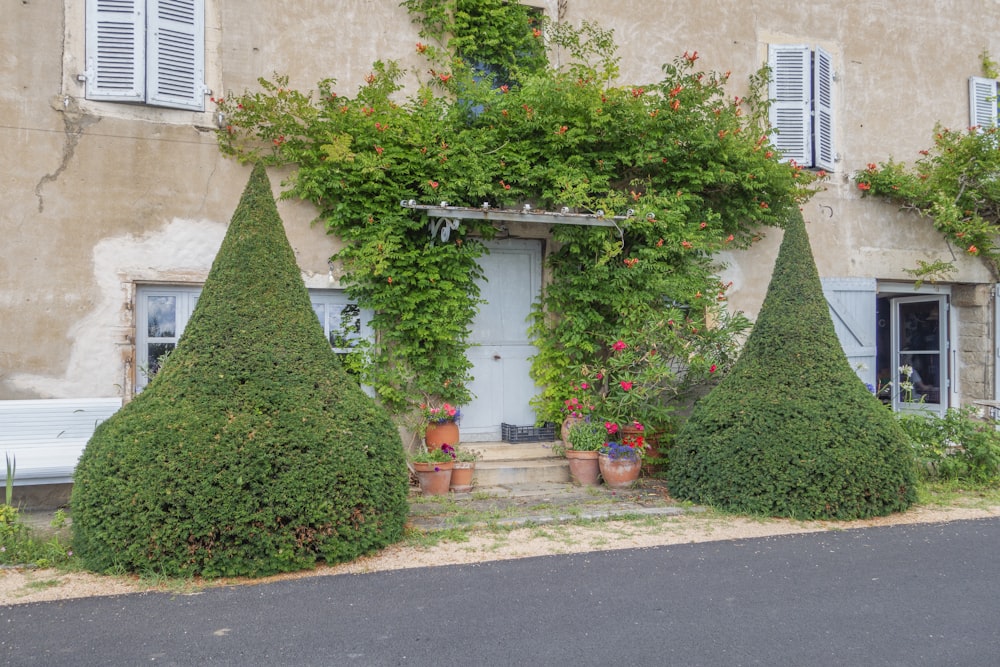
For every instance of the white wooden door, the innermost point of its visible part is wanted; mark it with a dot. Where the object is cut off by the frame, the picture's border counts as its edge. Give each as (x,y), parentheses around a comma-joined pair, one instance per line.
(500,352)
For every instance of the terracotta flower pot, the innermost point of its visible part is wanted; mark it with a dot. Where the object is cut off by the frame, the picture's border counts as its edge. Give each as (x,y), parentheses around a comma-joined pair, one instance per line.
(443,433)
(583,467)
(434,478)
(461,476)
(621,472)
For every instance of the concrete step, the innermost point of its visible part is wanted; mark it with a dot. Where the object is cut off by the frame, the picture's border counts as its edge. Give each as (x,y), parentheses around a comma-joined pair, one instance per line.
(505,451)
(503,463)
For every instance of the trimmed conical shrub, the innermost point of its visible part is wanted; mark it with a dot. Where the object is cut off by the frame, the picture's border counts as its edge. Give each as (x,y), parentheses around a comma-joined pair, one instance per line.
(252,451)
(792,431)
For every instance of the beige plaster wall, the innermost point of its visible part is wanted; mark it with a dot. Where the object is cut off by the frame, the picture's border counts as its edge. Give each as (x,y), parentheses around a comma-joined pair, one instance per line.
(100,195)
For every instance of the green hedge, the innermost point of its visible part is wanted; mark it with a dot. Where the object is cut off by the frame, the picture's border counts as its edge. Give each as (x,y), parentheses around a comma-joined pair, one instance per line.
(792,431)
(252,451)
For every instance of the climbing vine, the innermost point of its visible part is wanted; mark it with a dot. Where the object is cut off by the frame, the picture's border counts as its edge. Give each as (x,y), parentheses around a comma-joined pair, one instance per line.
(681,167)
(955,184)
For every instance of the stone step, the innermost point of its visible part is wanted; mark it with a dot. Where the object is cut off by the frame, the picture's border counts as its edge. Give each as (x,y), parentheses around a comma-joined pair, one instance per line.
(505,451)
(503,463)
(526,471)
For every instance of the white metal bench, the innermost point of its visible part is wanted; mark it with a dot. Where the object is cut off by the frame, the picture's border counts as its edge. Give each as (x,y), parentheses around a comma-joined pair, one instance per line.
(45,437)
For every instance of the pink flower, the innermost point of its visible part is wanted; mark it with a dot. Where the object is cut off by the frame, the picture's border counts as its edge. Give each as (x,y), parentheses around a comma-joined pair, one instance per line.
(584,385)
(611,427)
(712,369)
(619,346)
(625,385)
(637,426)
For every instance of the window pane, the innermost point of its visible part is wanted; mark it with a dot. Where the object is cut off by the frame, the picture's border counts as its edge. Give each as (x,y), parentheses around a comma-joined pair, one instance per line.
(156,355)
(918,326)
(347,330)
(162,316)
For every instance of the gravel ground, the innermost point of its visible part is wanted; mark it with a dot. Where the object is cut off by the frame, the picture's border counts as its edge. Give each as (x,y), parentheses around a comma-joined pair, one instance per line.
(510,523)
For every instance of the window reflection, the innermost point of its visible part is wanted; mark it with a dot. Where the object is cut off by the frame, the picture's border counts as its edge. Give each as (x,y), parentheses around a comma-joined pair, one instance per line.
(161,319)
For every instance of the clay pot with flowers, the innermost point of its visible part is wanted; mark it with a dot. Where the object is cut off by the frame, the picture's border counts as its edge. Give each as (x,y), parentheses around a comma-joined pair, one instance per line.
(620,463)
(433,469)
(463,471)
(441,425)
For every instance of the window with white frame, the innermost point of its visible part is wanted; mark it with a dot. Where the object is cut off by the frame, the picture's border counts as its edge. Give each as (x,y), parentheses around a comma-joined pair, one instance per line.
(801,113)
(163,311)
(982,102)
(146,51)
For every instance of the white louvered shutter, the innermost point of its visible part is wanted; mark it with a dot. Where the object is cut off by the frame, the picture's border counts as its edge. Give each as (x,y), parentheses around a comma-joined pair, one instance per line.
(852,307)
(790,90)
(115,50)
(176,62)
(982,101)
(823,96)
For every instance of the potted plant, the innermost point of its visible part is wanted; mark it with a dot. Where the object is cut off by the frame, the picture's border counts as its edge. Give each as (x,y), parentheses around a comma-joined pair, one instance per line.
(433,469)
(585,440)
(440,425)
(620,462)
(576,408)
(464,469)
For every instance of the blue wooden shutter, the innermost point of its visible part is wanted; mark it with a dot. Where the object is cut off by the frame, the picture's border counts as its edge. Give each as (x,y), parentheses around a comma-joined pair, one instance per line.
(823,101)
(115,44)
(852,307)
(176,57)
(982,101)
(790,91)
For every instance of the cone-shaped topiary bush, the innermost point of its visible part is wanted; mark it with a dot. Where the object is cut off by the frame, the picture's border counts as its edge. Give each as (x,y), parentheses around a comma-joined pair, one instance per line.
(252,451)
(792,431)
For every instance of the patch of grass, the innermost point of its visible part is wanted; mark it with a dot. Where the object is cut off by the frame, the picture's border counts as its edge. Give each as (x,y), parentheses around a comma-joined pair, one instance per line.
(43,584)
(429,538)
(956,493)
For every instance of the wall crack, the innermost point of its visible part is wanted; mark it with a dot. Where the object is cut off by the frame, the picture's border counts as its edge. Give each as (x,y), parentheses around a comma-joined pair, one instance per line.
(75,122)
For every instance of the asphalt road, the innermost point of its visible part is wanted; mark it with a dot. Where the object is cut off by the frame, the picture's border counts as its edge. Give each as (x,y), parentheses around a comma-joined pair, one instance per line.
(904,595)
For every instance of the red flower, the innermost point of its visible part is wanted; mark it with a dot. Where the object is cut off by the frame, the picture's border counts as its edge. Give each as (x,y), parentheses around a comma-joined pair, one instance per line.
(619,345)
(973,250)
(864,186)
(626,386)
(433,184)
(713,368)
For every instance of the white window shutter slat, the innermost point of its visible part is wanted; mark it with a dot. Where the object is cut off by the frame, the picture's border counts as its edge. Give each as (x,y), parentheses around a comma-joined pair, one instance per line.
(115,45)
(852,308)
(790,90)
(982,101)
(176,63)
(823,96)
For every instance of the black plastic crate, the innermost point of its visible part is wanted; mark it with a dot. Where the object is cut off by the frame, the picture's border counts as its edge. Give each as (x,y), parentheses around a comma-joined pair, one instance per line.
(511,433)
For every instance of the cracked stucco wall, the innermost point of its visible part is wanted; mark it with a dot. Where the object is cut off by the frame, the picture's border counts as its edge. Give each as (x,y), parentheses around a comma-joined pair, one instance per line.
(98,196)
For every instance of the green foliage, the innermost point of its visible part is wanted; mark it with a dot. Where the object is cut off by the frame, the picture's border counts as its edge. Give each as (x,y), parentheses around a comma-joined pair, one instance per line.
(645,375)
(956,446)
(683,166)
(18,546)
(587,436)
(955,183)
(792,431)
(252,451)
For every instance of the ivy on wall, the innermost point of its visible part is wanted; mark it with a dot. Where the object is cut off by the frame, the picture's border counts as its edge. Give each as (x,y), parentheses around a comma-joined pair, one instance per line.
(686,165)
